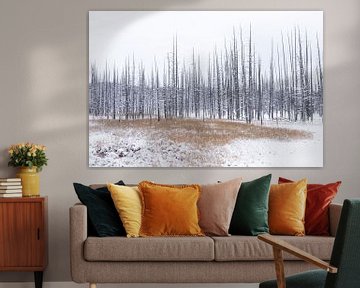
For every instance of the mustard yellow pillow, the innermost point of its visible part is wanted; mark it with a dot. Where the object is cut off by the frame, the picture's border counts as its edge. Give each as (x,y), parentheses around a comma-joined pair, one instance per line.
(127,201)
(169,210)
(287,204)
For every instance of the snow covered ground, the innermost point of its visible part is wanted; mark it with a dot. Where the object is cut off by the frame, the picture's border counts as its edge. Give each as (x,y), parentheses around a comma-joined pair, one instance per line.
(275,153)
(115,144)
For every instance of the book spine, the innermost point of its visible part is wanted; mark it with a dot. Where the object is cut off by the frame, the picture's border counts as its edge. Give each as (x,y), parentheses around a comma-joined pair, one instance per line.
(10,180)
(10,183)
(10,191)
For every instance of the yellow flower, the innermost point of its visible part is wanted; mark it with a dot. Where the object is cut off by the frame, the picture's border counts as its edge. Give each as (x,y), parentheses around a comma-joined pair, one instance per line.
(41,147)
(27,153)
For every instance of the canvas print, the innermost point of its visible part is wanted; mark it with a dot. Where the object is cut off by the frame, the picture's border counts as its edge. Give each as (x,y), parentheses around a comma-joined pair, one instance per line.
(205,89)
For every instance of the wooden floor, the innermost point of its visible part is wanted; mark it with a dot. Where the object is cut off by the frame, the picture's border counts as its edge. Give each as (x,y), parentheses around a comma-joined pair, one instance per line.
(74,285)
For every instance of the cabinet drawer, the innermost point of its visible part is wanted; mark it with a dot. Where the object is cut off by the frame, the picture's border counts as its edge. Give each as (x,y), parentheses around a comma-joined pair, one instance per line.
(22,237)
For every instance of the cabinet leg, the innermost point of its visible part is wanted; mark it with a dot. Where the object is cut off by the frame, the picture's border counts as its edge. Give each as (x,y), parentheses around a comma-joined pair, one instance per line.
(38,279)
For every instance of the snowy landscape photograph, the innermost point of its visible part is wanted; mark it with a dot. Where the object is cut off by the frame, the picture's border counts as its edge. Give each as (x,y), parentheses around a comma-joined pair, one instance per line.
(205,89)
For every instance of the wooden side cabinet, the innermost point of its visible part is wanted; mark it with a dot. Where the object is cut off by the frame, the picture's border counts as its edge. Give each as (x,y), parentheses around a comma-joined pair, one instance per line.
(23,235)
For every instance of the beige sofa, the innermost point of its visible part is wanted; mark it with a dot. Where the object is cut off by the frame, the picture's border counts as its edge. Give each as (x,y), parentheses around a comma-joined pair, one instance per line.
(234,259)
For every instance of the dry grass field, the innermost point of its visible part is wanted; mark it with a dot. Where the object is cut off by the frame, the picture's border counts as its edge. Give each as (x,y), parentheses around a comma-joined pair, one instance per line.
(189,143)
(200,133)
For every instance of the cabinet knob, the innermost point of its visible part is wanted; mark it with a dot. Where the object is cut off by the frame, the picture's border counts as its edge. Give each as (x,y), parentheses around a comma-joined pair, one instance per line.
(38,234)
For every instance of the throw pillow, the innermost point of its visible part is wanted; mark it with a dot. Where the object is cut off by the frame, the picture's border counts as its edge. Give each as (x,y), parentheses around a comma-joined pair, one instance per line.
(250,215)
(319,197)
(287,208)
(127,201)
(216,206)
(102,214)
(169,210)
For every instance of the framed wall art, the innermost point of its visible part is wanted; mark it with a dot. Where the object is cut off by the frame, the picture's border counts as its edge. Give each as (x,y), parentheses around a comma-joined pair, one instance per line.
(205,89)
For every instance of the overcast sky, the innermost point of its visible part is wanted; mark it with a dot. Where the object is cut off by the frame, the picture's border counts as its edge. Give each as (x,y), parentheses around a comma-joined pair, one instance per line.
(116,35)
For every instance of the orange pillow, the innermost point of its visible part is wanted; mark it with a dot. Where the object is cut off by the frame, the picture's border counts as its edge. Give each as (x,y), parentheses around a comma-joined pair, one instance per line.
(169,210)
(287,204)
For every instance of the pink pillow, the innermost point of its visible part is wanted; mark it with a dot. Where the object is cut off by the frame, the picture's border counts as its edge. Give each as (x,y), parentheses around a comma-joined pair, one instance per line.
(216,205)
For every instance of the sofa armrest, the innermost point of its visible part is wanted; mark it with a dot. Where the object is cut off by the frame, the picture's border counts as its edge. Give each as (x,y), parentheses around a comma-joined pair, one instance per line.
(334,217)
(78,235)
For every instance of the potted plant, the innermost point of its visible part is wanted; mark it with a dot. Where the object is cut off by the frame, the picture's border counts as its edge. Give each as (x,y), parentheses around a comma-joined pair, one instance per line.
(30,158)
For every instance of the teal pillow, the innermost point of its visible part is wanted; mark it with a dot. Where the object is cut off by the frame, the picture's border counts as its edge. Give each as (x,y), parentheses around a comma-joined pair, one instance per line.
(250,216)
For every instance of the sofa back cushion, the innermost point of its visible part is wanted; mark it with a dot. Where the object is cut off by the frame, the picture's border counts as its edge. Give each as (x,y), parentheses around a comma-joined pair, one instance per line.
(319,197)
(287,204)
(250,215)
(216,206)
(127,201)
(169,210)
(102,215)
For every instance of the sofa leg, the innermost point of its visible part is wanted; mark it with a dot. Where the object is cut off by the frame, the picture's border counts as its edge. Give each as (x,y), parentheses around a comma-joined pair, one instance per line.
(92,285)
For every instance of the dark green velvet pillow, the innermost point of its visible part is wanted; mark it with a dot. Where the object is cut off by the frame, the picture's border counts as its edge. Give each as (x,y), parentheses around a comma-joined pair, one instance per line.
(103,218)
(250,216)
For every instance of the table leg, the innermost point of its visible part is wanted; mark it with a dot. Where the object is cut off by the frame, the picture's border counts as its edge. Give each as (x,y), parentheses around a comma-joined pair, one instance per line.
(38,279)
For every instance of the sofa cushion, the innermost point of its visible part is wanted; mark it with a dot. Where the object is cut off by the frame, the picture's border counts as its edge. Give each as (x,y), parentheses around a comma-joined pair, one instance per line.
(216,206)
(287,204)
(244,248)
(169,210)
(250,216)
(318,199)
(127,201)
(102,216)
(149,249)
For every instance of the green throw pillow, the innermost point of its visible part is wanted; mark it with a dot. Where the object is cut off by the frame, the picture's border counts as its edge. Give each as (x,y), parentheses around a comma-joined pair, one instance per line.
(250,216)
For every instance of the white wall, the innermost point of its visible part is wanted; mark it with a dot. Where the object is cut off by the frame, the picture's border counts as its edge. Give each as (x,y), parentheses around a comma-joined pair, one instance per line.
(43,90)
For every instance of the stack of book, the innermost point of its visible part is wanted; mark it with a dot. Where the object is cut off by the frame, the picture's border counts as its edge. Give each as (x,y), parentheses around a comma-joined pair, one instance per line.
(10,187)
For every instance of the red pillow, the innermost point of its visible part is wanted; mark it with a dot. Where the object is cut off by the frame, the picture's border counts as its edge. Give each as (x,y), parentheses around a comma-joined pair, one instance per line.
(319,197)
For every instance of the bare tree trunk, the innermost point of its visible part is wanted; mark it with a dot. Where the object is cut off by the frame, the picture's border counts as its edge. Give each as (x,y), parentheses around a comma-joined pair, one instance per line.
(302,78)
(260,100)
(271,84)
(236,77)
(281,88)
(243,79)
(210,92)
(250,83)
(114,93)
(218,85)
(320,72)
(157,93)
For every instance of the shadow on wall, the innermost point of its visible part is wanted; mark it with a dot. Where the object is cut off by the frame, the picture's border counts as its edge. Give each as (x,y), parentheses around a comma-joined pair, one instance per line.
(4,158)
(44,72)
(342,64)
